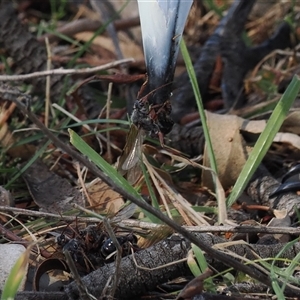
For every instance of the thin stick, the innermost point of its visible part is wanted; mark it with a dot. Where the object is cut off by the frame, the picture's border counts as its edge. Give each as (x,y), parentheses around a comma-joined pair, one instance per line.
(215,229)
(108,102)
(156,183)
(32,213)
(65,71)
(48,82)
(81,181)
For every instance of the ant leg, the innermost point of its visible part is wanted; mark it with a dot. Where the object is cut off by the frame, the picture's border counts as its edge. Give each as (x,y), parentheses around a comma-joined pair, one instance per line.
(152,113)
(142,89)
(145,98)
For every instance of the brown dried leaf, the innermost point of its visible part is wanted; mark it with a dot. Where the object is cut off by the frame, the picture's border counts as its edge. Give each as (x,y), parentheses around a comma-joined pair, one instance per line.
(229,148)
(291,123)
(129,48)
(195,286)
(6,136)
(289,130)
(102,198)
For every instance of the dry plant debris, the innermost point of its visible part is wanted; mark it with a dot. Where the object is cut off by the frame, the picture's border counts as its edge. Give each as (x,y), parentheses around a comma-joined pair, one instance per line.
(82,69)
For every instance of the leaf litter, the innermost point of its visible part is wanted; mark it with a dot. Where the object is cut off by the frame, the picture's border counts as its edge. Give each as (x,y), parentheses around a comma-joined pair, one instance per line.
(232,134)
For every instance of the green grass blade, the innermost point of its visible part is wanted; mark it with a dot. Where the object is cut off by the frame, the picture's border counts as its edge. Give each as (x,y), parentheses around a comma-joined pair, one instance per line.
(109,170)
(265,139)
(16,276)
(212,6)
(209,285)
(194,82)
(213,165)
(27,165)
(198,265)
(193,265)
(288,271)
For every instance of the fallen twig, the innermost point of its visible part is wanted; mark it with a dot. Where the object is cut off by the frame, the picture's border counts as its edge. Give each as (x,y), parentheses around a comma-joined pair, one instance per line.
(40,214)
(65,71)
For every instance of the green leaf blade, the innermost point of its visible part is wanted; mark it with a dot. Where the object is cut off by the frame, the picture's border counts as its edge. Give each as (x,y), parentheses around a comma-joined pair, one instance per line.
(265,139)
